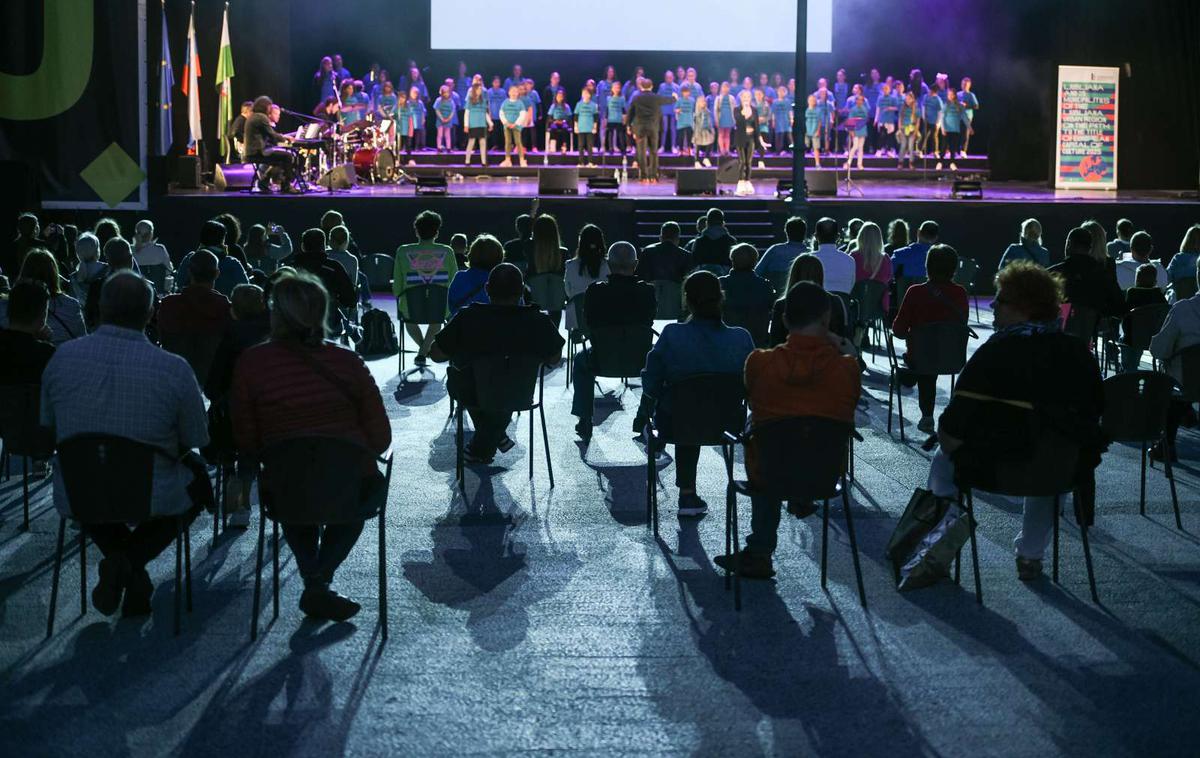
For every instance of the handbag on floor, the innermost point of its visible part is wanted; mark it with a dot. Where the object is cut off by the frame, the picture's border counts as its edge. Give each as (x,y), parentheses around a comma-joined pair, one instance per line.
(925,541)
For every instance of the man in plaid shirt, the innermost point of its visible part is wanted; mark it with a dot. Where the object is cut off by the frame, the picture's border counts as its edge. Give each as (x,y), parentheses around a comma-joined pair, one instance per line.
(114,381)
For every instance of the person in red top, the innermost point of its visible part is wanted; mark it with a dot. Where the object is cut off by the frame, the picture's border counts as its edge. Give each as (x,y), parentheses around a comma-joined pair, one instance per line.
(198,309)
(937,299)
(811,374)
(298,385)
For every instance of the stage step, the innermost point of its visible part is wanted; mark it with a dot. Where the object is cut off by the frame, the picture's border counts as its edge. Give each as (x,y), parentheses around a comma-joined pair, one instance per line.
(758,222)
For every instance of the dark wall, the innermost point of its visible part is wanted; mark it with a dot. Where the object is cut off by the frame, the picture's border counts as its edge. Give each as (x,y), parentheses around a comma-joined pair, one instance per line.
(1011,48)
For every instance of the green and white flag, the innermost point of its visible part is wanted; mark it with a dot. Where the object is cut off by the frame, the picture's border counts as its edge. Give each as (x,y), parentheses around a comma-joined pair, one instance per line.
(224,77)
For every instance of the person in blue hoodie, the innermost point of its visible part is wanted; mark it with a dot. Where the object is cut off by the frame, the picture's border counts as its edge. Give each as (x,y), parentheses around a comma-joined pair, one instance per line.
(1028,247)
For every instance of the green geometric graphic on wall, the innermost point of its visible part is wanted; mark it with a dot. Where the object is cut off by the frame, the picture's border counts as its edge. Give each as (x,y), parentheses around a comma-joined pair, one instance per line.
(113,175)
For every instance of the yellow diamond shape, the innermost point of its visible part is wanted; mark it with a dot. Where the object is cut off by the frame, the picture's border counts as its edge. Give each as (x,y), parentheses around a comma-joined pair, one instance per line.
(113,175)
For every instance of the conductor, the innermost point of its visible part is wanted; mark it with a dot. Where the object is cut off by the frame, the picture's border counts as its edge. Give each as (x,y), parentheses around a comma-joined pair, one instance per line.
(264,145)
(645,120)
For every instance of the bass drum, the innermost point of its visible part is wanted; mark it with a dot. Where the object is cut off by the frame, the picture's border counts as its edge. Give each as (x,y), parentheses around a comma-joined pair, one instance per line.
(364,162)
(385,166)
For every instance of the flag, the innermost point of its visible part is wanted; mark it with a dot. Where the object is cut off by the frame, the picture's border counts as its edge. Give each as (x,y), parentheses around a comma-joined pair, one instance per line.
(224,75)
(191,72)
(166,80)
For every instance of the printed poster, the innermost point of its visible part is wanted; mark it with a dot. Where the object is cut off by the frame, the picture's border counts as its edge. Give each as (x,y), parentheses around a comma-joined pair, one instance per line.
(1086,138)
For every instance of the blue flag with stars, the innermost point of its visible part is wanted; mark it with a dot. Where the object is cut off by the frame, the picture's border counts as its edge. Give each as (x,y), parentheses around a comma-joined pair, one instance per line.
(166,80)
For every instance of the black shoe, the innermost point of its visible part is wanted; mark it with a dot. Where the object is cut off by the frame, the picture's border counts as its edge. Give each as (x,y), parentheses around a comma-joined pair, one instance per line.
(137,594)
(801,508)
(907,377)
(506,444)
(420,361)
(584,429)
(114,575)
(692,506)
(324,603)
(475,459)
(747,565)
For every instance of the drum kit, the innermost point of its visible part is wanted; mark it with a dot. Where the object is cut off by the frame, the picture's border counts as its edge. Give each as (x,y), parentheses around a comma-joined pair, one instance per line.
(370,147)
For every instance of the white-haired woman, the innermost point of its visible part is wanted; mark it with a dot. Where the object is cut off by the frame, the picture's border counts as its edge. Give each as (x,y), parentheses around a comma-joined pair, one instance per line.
(1028,247)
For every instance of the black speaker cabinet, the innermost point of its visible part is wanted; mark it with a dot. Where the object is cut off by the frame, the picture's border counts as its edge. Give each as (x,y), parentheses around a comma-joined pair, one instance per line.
(821,181)
(696,181)
(187,172)
(558,181)
(342,177)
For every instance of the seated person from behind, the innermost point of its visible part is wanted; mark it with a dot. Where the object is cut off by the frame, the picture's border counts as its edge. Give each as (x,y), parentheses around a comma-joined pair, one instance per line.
(665,260)
(620,301)
(119,257)
(1028,376)
(299,385)
(839,267)
(469,285)
(501,326)
(938,299)
(314,258)
(1140,248)
(1145,289)
(710,248)
(25,346)
(747,294)
(114,381)
(778,258)
(423,263)
(196,310)
(1087,281)
(807,268)
(701,345)
(1179,332)
(809,375)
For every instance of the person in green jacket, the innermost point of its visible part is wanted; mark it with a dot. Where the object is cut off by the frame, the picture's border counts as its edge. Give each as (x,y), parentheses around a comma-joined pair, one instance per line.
(420,264)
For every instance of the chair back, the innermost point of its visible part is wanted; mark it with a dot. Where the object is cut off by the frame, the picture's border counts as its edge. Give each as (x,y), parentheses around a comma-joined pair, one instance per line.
(1051,470)
(968,269)
(379,269)
(1082,322)
(156,275)
(619,352)
(669,298)
(107,479)
(902,285)
(426,303)
(1141,324)
(1135,406)
(506,383)
(1189,366)
(1184,288)
(313,480)
(869,295)
(850,308)
(704,407)
(549,291)
(713,268)
(938,348)
(757,321)
(576,306)
(197,349)
(801,458)
(778,280)
(20,421)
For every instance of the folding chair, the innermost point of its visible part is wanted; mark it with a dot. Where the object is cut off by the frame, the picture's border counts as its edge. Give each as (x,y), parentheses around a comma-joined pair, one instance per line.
(938,348)
(1135,410)
(23,434)
(426,306)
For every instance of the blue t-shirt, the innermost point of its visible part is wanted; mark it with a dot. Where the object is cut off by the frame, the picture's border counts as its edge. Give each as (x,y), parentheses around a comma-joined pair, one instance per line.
(444,107)
(534,100)
(872,93)
(559,112)
(685,112)
(385,106)
(666,90)
(495,96)
(910,115)
(969,101)
(353,109)
(953,117)
(841,91)
(781,111)
(763,110)
(615,106)
(909,262)
(813,119)
(888,109)
(864,113)
(418,113)
(1182,266)
(725,117)
(585,116)
(931,108)
(404,126)
(477,114)
(511,110)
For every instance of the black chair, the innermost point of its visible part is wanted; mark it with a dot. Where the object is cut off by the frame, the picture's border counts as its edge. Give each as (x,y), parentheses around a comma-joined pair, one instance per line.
(938,348)
(578,336)
(619,352)
(110,480)
(868,294)
(197,349)
(156,275)
(1138,327)
(778,280)
(704,408)
(1135,410)
(316,481)
(426,305)
(822,444)
(378,269)
(1183,288)
(669,300)
(850,311)
(757,321)
(505,384)
(23,433)
(1082,322)
(1049,472)
(968,270)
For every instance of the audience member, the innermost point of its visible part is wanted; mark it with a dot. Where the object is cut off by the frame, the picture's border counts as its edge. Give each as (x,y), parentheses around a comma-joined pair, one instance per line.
(339,242)
(1120,246)
(1179,332)
(807,268)
(620,301)
(701,225)
(586,268)
(197,310)
(299,385)
(1028,376)
(548,257)
(809,375)
(470,285)
(459,244)
(1028,247)
(233,240)
(937,299)
(747,294)
(700,345)
(710,249)
(870,261)
(1087,280)
(837,265)
(66,316)
(665,260)
(114,381)
(909,262)
(502,325)
(267,247)
(1182,266)
(230,274)
(1140,247)
(29,231)
(423,263)
(1145,289)
(25,346)
(778,258)
(331,219)
(119,257)
(106,229)
(90,270)
(897,236)
(151,256)
(340,291)
(519,250)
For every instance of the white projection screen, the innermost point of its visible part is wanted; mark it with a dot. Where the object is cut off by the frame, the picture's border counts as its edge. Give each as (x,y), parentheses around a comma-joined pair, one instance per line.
(746,26)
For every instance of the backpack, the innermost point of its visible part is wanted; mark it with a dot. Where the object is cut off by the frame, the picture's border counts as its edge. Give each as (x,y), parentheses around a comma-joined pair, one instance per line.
(378,335)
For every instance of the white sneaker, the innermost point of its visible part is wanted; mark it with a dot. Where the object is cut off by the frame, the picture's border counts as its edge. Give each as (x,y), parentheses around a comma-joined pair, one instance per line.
(707,163)
(749,187)
(962,154)
(947,156)
(953,167)
(762,165)
(506,163)
(938,167)
(697,164)
(523,163)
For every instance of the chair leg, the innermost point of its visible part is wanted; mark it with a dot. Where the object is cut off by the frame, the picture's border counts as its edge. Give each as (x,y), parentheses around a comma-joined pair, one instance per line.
(82,572)
(1142,501)
(730,495)
(531,450)
(737,556)
(1087,558)
(862,593)
(824,541)
(891,392)
(545,443)
(958,567)
(275,568)
(1170,474)
(650,482)
(974,546)
(900,407)
(1054,557)
(25,492)
(458,450)
(383,588)
(58,555)
(178,580)
(258,565)
(187,562)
